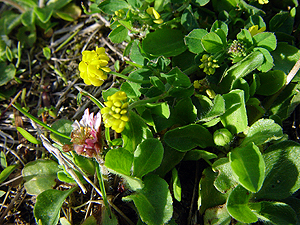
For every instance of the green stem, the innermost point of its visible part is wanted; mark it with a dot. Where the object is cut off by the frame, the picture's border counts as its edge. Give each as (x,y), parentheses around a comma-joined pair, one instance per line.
(130,79)
(67,40)
(93,99)
(18,107)
(101,183)
(58,73)
(146,101)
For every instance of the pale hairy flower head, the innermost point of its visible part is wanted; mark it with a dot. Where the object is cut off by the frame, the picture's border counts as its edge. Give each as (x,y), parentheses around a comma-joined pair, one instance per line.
(86,135)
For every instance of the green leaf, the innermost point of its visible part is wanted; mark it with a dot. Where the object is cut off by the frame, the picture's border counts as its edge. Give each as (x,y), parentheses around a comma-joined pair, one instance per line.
(7,171)
(119,161)
(282,171)
(237,205)
(188,19)
(39,176)
(222,137)
(245,36)
(3,161)
(176,185)
(285,56)
(9,54)
(282,22)
(131,89)
(7,73)
(212,43)
(225,180)
(196,154)
(268,60)
(208,110)
(209,196)
(188,137)
(166,42)
(248,166)
(27,35)
(87,164)
(110,6)
(147,157)
(202,2)
(184,112)
(266,40)
(240,70)
(218,24)
(48,205)
(193,40)
(170,159)
(263,131)
(119,34)
(154,201)
(63,126)
(235,116)
(28,136)
(275,212)
(135,132)
(27,18)
(47,52)
(136,55)
(44,14)
(217,215)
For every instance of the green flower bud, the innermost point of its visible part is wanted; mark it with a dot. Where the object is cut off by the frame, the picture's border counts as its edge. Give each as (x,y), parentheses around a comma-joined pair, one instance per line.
(208,64)
(222,137)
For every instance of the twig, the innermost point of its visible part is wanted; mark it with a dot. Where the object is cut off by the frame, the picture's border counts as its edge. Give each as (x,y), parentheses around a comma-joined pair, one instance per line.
(11,180)
(114,49)
(20,191)
(54,151)
(293,72)
(14,4)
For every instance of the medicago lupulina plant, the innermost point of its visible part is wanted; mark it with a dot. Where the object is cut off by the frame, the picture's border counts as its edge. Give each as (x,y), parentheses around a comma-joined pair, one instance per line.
(196,88)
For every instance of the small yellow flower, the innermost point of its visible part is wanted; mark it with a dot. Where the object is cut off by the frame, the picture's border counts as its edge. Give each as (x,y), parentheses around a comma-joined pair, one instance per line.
(93,66)
(151,11)
(254,30)
(115,114)
(263,2)
(120,13)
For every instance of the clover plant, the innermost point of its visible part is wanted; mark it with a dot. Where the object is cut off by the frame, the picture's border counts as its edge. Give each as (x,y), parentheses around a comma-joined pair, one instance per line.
(208,80)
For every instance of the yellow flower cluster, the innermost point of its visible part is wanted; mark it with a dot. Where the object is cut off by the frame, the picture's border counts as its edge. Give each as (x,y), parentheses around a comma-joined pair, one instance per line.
(151,11)
(93,66)
(115,113)
(254,30)
(209,64)
(263,2)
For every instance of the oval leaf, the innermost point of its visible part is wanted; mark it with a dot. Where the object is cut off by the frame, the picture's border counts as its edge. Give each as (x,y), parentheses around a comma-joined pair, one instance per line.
(39,176)
(193,40)
(248,166)
(166,42)
(275,212)
(135,132)
(237,205)
(282,166)
(154,201)
(48,205)
(188,137)
(147,157)
(271,82)
(119,160)
(263,131)
(212,43)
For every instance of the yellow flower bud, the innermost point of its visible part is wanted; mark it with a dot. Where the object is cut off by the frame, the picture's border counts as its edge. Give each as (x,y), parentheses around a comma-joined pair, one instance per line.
(115,113)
